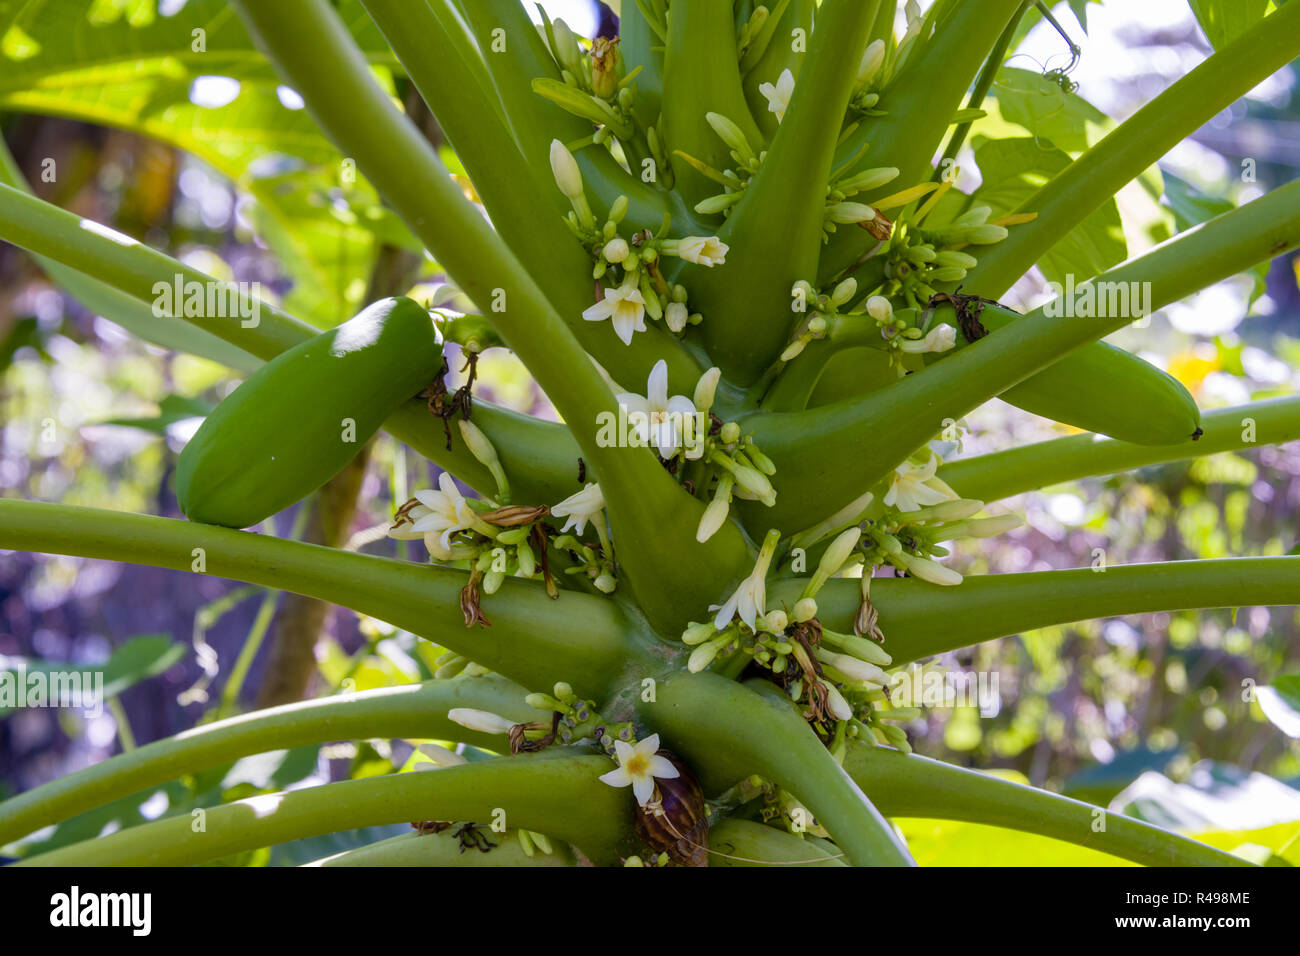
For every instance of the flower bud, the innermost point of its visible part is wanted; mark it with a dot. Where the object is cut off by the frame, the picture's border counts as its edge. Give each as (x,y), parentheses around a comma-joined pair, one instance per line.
(879,308)
(676,316)
(730,433)
(928,570)
(618,210)
(839,551)
(483,721)
(872,58)
(543,702)
(844,292)
(703,655)
(730,134)
(616,250)
(859,647)
(706,389)
(567,51)
(952,257)
(774,622)
(714,516)
(805,609)
(605,583)
(986,235)
(869,179)
(839,707)
(851,212)
(565,169)
(854,669)
(697,633)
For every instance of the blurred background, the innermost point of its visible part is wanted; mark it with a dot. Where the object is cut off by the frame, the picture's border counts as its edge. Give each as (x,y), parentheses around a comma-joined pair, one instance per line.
(1154,714)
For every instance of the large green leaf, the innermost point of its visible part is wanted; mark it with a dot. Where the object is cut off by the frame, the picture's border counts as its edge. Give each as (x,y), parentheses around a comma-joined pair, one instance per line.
(1280,702)
(1041,104)
(132,661)
(1191,207)
(1225,20)
(117,63)
(127,311)
(1013,170)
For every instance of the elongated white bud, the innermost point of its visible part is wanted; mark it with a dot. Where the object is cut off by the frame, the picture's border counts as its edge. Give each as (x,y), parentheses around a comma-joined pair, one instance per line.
(565,168)
(483,721)
(706,389)
(872,57)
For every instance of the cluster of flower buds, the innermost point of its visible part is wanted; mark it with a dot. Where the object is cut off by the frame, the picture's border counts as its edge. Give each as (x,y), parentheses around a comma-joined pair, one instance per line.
(902,334)
(594,84)
(733,180)
(741,470)
(628,267)
(493,539)
(818,311)
(577,720)
(873,75)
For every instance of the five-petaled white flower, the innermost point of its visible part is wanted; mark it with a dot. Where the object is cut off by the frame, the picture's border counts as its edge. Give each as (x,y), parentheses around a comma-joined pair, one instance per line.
(638,765)
(778,94)
(911,488)
(438,516)
(703,250)
(658,420)
(580,507)
(624,306)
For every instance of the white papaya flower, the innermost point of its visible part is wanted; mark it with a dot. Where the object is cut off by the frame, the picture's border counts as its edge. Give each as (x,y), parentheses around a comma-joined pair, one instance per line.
(778,94)
(658,420)
(624,306)
(580,507)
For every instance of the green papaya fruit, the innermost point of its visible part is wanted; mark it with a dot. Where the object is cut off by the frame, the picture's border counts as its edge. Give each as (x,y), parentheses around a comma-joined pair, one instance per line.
(1103,389)
(296,421)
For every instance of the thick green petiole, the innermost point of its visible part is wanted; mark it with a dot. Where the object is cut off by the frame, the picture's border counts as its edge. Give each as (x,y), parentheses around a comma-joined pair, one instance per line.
(914,786)
(313,50)
(557,795)
(412,711)
(748,300)
(921,619)
(1017,470)
(729,731)
(533,639)
(872,434)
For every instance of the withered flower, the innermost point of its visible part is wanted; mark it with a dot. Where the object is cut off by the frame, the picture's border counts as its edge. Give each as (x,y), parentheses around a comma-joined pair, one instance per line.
(675,820)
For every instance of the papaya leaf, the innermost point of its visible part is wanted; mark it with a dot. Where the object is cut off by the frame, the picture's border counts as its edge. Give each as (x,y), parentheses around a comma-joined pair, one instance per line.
(1040,104)
(134,660)
(1013,170)
(1191,207)
(141,76)
(1225,20)
(1280,702)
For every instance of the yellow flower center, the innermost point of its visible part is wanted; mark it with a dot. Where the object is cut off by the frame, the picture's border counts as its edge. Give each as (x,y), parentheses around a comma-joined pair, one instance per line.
(638,766)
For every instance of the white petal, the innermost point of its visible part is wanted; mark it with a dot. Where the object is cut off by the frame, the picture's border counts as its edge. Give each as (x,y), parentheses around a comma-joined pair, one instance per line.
(657,385)
(644,789)
(617,777)
(660,767)
(598,312)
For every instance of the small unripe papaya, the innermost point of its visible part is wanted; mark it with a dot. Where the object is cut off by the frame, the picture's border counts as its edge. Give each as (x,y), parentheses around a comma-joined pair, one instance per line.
(296,421)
